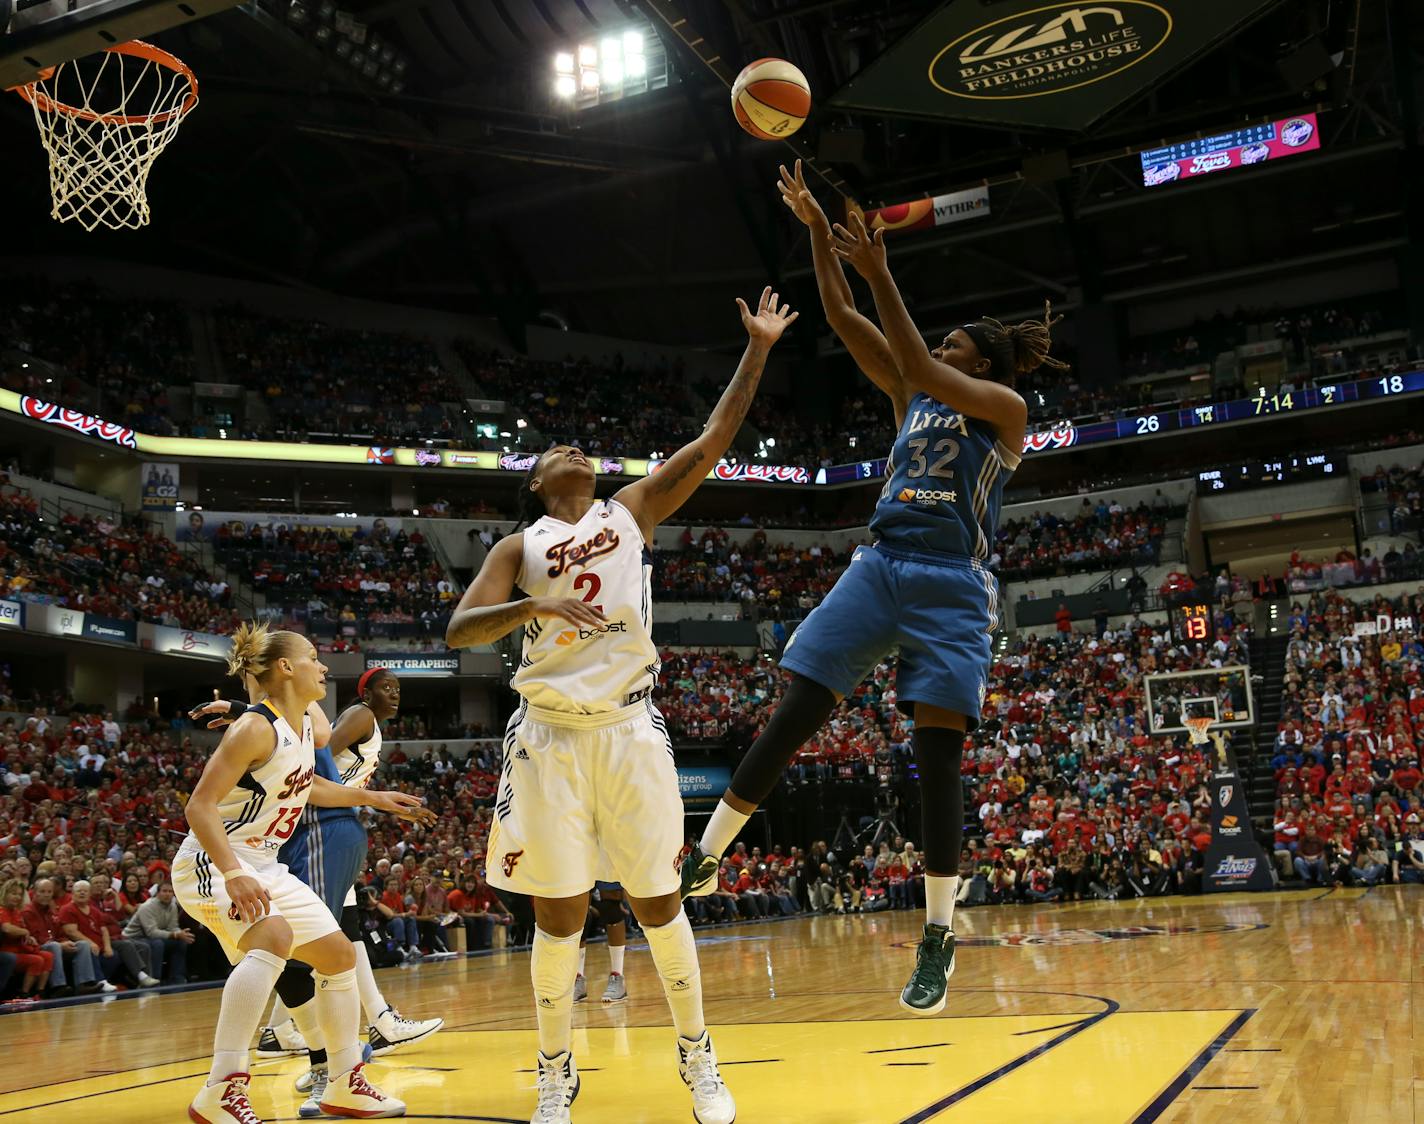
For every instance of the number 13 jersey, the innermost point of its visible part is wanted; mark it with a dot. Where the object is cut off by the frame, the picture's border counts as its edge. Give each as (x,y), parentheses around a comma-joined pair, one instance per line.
(945,483)
(603,561)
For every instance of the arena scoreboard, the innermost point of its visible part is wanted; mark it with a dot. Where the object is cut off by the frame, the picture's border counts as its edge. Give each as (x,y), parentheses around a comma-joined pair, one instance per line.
(1291,469)
(1192,623)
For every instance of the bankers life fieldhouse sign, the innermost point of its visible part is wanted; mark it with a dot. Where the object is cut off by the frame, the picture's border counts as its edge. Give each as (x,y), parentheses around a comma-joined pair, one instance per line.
(1060,66)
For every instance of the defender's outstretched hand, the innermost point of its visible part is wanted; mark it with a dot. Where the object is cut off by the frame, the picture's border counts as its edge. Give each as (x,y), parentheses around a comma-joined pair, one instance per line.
(797,196)
(769,320)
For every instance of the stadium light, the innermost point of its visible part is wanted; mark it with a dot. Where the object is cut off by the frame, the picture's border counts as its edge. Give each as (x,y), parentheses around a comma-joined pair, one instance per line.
(589,81)
(520,423)
(563,63)
(587,55)
(565,86)
(632,43)
(771,442)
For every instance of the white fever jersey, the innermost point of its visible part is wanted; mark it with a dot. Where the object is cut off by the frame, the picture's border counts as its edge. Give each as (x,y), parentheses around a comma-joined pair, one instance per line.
(600,559)
(357,762)
(263,808)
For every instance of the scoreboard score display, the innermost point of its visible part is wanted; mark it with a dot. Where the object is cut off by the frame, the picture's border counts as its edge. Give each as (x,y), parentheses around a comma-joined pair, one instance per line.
(1192,623)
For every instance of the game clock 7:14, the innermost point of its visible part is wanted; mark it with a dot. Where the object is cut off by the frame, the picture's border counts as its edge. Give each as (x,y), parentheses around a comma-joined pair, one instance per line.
(1193,623)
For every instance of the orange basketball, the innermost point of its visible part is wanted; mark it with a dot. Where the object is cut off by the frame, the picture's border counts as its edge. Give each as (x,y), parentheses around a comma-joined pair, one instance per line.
(771,99)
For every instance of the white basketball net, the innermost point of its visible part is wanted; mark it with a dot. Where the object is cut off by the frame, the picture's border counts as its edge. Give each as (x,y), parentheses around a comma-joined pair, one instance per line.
(104,120)
(1197,729)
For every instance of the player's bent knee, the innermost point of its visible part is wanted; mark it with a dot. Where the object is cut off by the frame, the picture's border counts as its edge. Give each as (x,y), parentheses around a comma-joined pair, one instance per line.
(271,934)
(330,955)
(656,911)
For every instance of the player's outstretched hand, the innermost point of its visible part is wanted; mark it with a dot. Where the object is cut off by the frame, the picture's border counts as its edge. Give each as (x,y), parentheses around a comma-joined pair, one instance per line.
(864,251)
(770,319)
(570,609)
(218,708)
(797,196)
(401,804)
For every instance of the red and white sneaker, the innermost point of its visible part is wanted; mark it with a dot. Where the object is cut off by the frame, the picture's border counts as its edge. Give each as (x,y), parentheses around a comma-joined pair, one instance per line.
(352,1095)
(224,1103)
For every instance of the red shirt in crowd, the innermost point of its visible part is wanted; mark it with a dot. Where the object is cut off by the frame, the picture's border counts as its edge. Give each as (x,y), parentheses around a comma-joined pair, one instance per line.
(91,924)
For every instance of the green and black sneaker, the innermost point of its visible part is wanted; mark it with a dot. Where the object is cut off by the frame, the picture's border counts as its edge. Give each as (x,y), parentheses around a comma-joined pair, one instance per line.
(934,964)
(699,873)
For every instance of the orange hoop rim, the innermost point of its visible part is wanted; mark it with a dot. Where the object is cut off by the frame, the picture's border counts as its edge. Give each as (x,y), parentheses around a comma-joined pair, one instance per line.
(1198,725)
(136,48)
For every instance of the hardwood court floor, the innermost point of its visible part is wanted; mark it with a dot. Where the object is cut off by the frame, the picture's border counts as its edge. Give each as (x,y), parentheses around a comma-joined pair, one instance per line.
(1287,1007)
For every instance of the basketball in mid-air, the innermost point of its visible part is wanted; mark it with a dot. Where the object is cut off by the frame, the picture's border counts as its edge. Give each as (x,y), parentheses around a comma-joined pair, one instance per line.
(771,99)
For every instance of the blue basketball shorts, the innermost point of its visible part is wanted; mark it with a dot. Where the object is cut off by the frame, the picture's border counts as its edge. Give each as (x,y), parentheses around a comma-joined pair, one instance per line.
(939,613)
(329,856)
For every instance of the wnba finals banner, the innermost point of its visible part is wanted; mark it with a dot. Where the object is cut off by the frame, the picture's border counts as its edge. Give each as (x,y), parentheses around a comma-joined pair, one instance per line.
(926,214)
(1054,66)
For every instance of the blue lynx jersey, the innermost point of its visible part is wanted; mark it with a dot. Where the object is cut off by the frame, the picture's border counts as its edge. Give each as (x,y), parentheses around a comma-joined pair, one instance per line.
(946,483)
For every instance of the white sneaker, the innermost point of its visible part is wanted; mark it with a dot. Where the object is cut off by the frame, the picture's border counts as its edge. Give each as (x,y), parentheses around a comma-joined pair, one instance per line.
(352,1095)
(106,988)
(580,988)
(617,989)
(558,1086)
(697,1065)
(316,1090)
(391,1032)
(307,1080)
(145,980)
(224,1103)
(281,1041)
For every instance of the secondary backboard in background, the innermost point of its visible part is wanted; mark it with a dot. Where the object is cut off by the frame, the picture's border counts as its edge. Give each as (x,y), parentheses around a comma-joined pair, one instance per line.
(35,34)
(1223,693)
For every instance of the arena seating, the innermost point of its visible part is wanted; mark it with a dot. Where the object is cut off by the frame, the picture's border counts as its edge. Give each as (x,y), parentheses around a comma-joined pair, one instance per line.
(126,570)
(1347,750)
(363,585)
(772,576)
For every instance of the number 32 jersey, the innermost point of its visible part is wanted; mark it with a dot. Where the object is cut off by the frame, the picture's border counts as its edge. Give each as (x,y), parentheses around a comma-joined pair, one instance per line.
(945,483)
(602,560)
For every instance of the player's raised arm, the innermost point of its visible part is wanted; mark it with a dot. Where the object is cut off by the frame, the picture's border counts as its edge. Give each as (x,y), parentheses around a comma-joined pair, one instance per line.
(486,613)
(865,342)
(654,498)
(994,402)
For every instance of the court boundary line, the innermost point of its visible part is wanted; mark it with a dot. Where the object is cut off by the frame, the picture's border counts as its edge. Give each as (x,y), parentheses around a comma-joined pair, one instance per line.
(1111,1007)
(1159,1104)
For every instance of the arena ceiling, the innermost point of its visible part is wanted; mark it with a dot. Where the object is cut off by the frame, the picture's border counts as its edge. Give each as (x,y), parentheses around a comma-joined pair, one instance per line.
(475,188)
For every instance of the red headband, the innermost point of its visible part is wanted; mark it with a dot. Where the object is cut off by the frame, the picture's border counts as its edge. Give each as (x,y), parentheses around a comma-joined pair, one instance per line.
(366,678)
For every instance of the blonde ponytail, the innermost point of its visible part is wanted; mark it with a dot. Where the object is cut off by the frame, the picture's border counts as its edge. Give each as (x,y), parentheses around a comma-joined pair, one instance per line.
(255,648)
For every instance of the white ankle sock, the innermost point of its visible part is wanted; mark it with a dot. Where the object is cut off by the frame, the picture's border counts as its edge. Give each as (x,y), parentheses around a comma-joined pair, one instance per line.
(675,955)
(615,954)
(244,999)
(553,964)
(939,899)
(372,1001)
(722,828)
(583,960)
(338,1013)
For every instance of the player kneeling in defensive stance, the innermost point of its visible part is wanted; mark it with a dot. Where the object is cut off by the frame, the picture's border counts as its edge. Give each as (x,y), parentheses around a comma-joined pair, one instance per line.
(252,793)
(589,790)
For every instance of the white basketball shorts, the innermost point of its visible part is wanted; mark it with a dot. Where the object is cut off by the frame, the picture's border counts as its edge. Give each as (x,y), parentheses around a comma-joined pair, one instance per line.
(585,798)
(200,889)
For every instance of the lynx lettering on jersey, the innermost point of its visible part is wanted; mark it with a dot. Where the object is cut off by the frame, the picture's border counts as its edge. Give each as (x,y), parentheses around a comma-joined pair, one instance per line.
(929,419)
(565,557)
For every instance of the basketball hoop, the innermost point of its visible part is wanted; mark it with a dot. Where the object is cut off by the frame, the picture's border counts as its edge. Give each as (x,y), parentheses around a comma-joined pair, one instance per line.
(104,119)
(1197,728)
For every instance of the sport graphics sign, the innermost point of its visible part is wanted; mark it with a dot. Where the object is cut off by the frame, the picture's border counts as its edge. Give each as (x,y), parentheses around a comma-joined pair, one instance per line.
(1234,860)
(1023,62)
(404,663)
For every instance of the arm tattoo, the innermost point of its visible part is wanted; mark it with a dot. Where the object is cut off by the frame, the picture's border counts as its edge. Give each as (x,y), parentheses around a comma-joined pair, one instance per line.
(670,478)
(731,409)
(485,624)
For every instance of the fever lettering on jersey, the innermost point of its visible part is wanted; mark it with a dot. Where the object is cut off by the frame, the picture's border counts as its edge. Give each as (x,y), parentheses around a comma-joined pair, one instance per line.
(600,560)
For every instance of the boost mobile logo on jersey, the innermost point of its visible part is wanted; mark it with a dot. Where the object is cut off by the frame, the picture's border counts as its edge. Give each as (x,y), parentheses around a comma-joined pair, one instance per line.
(926,497)
(572,635)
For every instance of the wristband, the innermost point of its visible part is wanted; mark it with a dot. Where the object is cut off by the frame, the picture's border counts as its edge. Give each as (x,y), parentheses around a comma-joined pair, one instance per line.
(236,708)
(236,872)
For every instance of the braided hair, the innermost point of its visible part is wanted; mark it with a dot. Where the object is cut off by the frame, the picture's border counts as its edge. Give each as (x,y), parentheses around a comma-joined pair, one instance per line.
(527,504)
(1016,349)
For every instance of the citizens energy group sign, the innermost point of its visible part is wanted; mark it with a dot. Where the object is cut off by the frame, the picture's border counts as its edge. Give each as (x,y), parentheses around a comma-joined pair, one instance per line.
(1025,63)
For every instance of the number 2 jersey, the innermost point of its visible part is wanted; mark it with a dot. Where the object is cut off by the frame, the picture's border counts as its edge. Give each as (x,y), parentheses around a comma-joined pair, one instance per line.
(602,560)
(945,483)
(262,810)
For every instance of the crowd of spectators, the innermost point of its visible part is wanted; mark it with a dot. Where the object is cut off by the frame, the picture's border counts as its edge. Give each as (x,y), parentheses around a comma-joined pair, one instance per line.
(769,579)
(124,569)
(341,383)
(1399,488)
(1347,750)
(1102,535)
(359,584)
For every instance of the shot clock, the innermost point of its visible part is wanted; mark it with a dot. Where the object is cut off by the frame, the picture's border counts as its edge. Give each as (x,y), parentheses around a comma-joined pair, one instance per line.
(1192,623)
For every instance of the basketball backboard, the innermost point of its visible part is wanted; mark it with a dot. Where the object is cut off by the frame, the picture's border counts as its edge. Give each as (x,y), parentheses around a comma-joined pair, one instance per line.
(42,33)
(1220,693)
